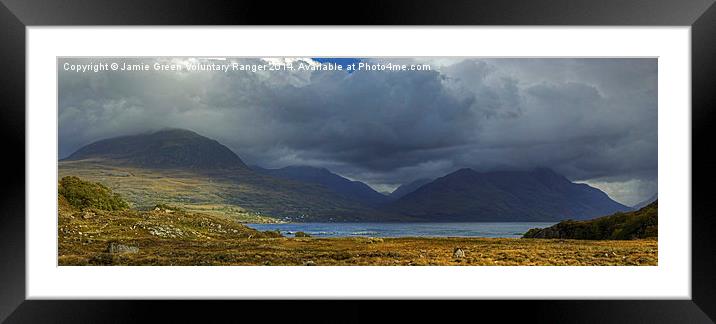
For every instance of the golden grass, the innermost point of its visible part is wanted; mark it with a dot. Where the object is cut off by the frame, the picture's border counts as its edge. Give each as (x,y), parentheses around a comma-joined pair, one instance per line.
(178,238)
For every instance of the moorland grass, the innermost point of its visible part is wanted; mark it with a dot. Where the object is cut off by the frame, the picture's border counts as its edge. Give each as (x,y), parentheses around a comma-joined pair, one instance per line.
(171,235)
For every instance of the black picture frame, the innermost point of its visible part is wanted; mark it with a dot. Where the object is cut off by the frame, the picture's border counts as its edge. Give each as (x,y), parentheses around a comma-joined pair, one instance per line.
(15,15)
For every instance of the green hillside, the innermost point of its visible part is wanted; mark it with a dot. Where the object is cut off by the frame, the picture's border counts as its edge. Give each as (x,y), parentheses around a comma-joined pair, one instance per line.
(642,223)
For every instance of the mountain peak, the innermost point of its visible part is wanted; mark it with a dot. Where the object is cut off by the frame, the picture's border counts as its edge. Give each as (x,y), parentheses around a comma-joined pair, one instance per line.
(170,131)
(536,195)
(166,148)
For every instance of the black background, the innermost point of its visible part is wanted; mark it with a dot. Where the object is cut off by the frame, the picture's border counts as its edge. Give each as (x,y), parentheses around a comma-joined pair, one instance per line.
(16,14)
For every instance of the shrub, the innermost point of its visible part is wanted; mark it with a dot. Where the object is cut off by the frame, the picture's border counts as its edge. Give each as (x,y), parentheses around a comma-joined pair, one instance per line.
(268,234)
(342,255)
(165,207)
(301,234)
(83,195)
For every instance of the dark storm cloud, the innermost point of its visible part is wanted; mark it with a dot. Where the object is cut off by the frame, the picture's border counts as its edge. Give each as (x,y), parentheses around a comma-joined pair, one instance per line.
(592,120)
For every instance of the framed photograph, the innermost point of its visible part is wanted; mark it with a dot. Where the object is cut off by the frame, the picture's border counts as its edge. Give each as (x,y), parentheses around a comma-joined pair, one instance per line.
(496,152)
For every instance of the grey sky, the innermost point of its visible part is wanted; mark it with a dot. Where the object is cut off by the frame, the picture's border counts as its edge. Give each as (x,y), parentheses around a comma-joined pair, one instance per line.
(593,120)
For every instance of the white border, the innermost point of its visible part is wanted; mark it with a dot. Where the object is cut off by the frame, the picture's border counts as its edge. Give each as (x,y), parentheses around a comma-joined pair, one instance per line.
(670,279)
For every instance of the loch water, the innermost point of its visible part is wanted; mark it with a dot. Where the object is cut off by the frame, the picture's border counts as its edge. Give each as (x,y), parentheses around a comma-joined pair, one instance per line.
(473,229)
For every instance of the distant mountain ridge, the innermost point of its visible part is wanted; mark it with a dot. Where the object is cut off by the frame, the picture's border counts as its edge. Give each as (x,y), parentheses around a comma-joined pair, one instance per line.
(408,188)
(168,148)
(538,195)
(350,189)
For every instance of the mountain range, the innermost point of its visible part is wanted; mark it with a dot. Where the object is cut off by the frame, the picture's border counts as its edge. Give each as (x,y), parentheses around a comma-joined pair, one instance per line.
(182,167)
(354,190)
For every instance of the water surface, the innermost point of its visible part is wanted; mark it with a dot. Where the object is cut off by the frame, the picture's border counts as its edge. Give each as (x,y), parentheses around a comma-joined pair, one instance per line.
(512,230)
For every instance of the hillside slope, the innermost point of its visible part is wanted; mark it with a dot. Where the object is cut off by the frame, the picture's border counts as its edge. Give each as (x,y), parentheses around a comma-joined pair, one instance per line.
(646,202)
(407,188)
(354,190)
(642,223)
(96,227)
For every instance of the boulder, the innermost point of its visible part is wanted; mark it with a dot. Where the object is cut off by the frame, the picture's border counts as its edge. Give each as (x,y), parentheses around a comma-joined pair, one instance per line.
(114,248)
(88,214)
(458,253)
